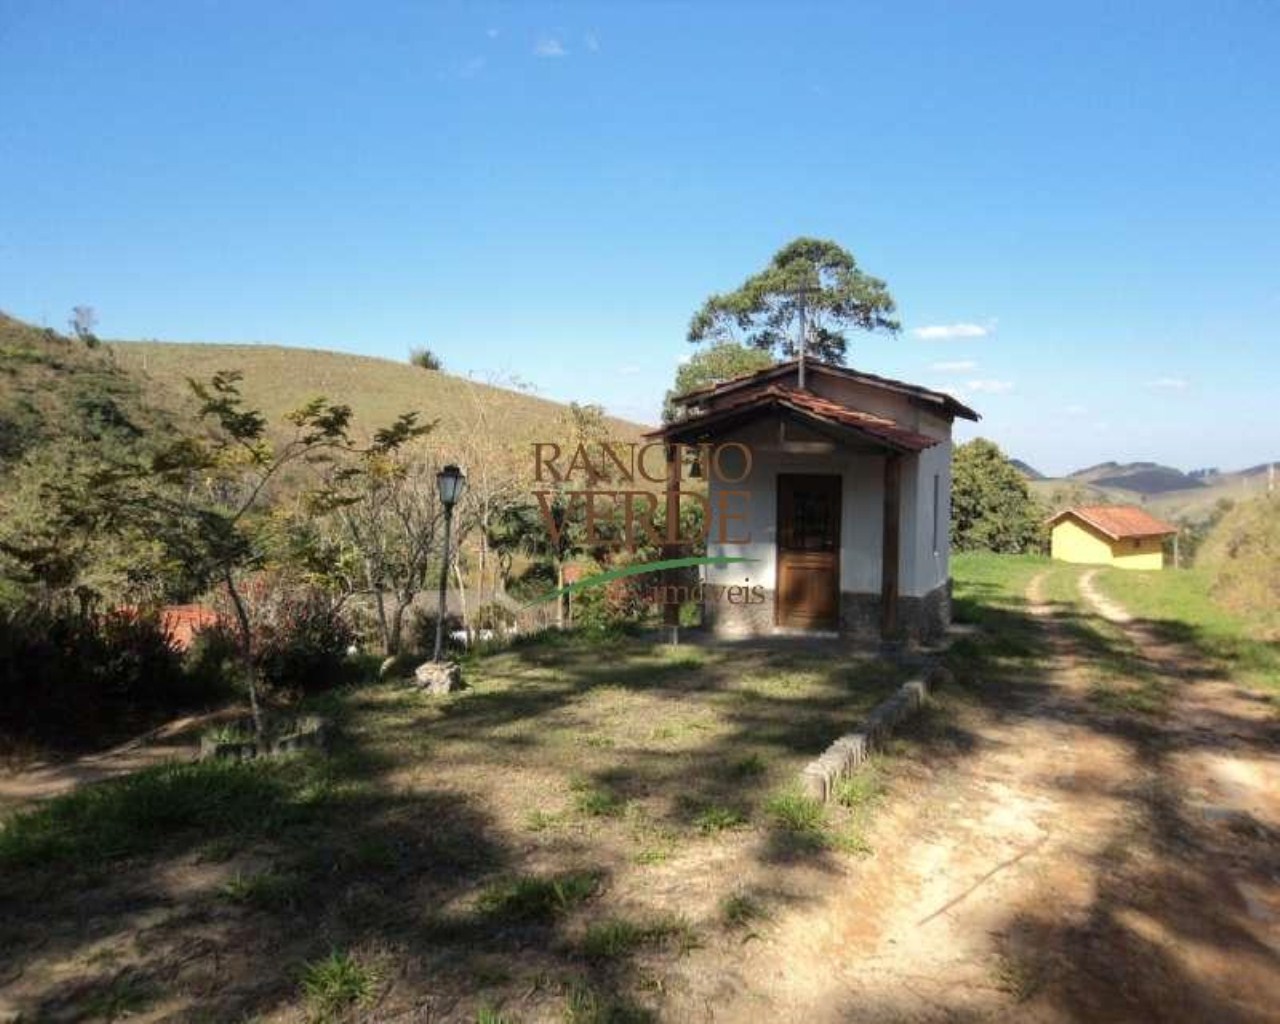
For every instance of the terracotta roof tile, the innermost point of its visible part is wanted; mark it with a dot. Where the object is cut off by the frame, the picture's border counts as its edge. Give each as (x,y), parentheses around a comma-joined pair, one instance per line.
(1119,522)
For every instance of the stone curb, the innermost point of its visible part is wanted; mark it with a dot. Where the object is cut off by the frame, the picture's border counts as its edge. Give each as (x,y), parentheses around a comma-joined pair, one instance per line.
(842,758)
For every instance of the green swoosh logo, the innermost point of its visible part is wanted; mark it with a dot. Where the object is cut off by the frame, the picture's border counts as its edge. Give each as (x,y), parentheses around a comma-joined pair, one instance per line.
(601,578)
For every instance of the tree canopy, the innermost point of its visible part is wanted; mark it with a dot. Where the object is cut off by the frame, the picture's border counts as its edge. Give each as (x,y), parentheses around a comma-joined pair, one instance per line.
(722,361)
(813,274)
(992,508)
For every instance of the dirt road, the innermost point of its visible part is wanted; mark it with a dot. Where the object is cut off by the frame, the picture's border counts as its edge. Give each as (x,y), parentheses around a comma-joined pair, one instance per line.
(1080,863)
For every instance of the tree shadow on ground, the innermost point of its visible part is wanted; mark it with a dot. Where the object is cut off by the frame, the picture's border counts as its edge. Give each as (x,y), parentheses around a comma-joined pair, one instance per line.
(1167,923)
(341,853)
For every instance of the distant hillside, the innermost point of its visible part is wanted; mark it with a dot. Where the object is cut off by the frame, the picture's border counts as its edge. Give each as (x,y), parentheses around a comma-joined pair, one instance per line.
(1164,491)
(1138,477)
(1028,471)
(278,379)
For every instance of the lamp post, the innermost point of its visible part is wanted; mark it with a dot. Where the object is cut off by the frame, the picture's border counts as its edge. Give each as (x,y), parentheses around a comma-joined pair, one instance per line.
(449,482)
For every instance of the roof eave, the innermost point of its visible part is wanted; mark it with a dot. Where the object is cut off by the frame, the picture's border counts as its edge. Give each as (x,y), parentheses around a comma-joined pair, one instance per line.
(923,397)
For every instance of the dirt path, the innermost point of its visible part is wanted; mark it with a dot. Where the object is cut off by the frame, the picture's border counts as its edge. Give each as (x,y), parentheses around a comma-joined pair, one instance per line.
(1076,865)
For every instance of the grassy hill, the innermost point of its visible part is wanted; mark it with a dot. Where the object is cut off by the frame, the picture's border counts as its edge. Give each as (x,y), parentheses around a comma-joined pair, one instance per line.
(55,388)
(278,379)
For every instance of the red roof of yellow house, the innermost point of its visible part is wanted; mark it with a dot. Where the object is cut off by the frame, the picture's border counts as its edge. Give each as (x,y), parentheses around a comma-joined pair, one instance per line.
(1119,522)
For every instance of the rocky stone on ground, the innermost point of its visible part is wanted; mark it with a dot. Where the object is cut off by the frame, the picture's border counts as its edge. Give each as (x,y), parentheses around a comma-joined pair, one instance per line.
(438,677)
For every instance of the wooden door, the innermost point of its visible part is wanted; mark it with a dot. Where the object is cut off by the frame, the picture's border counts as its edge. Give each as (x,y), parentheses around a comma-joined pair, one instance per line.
(808,592)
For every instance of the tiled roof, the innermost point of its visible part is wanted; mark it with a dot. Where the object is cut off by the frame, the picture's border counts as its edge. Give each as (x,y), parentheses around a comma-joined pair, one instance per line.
(947,403)
(775,396)
(1119,522)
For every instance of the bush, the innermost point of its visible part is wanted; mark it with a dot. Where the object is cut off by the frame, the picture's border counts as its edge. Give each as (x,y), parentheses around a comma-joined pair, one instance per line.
(422,632)
(992,508)
(302,645)
(213,657)
(68,678)
(536,581)
(494,616)
(426,359)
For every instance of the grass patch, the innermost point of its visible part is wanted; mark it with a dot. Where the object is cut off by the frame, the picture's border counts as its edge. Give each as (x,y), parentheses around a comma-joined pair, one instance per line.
(529,899)
(267,890)
(145,811)
(488,1015)
(718,818)
(335,985)
(750,767)
(1180,606)
(740,910)
(800,817)
(864,788)
(1018,978)
(584,1005)
(542,821)
(618,937)
(125,996)
(597,801)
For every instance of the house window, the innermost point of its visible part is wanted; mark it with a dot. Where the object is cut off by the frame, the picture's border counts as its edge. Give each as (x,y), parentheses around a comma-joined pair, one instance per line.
(937,494)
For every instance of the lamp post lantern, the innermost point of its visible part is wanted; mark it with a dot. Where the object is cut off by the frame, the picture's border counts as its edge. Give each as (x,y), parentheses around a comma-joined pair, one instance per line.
(449,483)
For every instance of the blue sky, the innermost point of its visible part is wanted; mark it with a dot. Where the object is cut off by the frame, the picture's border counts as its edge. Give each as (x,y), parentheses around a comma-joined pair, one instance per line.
(1082,201)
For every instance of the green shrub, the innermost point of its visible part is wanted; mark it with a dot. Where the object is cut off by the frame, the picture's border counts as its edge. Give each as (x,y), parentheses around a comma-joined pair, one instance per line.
(69,678)
(302,645)
(425,359)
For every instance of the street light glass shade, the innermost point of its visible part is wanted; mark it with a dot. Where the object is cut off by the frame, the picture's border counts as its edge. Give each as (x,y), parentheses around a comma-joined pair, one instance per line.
(449,482)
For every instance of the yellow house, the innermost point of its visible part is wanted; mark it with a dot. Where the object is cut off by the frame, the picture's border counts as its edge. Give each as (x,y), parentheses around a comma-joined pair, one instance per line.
(1120,535)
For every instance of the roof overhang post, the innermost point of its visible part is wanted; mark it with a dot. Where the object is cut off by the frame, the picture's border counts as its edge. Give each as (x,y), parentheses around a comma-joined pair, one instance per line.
(891,545)
(671,549)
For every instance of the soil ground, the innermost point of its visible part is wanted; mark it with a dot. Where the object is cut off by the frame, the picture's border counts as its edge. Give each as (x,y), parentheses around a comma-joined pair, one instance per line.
(1085,863)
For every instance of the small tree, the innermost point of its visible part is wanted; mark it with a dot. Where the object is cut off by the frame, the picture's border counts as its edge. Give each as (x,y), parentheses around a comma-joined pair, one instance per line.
(426,359)
(83,320)
(219,525)
(992,508)
(810,281)
(388,517)
(722,361)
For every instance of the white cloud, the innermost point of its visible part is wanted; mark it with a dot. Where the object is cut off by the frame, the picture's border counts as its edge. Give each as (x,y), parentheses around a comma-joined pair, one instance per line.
(549,46)
(1168,384)
(989,387)
(592,42)
(955,366)
(978,387)
(681,360)
(944,332)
